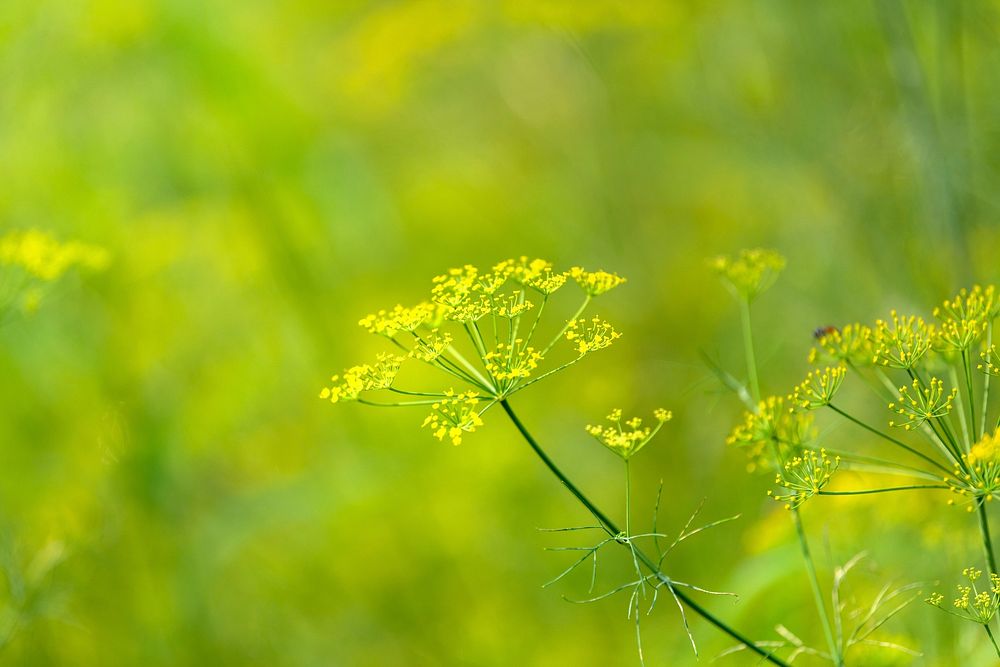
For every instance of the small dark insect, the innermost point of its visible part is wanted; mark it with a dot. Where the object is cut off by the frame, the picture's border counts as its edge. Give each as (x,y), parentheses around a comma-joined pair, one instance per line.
(822,332)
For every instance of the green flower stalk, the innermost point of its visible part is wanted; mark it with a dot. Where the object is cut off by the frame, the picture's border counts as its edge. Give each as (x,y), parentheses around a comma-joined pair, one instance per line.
(776,436)
(488,344)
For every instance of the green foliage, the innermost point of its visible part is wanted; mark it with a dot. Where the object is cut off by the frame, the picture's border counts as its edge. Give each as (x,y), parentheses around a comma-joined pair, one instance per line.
(260,173)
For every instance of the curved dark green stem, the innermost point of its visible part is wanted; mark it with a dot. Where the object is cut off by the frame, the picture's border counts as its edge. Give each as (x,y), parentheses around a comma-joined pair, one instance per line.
(984,529)
(612,530)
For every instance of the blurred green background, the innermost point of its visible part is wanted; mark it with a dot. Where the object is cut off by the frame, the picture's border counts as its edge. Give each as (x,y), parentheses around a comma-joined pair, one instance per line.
(265,173)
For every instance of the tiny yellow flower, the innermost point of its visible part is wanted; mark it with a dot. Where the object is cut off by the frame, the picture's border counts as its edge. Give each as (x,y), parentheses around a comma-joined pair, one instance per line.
(626,439)
(595,283)
(750,273)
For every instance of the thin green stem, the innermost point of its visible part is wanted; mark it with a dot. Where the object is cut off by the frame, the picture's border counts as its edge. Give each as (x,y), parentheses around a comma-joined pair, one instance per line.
(364,401)
(515,322)
(610,527)
(628,499)
(415,393)
(888,398)
(579,311)
(986,381)
(542,376)
(992,638)
(472,369)
(445,364)
(984,531)
(838,660)
(476,338)
(882,466)
(751,359)
(967,365)
(889,438)
(963,420)
(885,490)
(534,325)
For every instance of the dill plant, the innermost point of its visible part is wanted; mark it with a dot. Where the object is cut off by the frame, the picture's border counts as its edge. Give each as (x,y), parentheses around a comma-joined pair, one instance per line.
(930,378)
(480,331)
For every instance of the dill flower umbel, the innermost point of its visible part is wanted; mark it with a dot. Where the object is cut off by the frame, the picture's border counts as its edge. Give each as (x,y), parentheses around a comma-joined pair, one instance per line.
(431,347)
(819,387)
(774,431)
(990,361)
(919,403)
(979,478)
(511,306)
(399,319)
(804,476)
(851,344)
(902,342)
(491,340)
(591,335)
(454,415)
(965,318)
(626,438)
(539,276)
(366,377)
(972,604)
(510,362)
(750,273)
(595,283)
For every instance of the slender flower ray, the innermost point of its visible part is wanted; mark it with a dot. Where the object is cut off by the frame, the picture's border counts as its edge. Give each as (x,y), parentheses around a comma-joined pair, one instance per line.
(889,438)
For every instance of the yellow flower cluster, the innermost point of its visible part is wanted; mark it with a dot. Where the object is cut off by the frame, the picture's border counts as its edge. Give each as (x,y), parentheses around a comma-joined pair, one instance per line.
(980,479)
(366,377)
(595,283)
(539,276)
(490,283)
(750,273)
(804,476)
(922,403)
(901,342)
(454,415)
(503,361)
(470,310)
(431,347)
(512,305)
(626,439)
(590,335)
(45,258)
(986,451)
(819,387)
(965,318)
(851,344)
(509,362)
(389,323)
(454,288)
(991,361)
(775,428)
(972,604)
